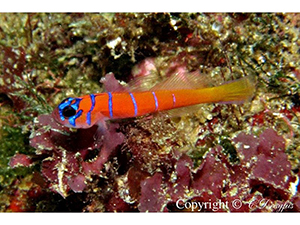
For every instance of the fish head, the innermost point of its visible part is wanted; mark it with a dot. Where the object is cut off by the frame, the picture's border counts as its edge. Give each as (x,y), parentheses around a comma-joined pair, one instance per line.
(70,114)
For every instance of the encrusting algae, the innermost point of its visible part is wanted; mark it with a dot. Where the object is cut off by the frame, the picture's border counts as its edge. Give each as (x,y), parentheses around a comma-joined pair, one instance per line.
(143,159)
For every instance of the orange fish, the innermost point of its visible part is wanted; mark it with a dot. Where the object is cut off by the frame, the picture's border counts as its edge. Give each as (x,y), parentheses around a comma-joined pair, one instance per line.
(88,110)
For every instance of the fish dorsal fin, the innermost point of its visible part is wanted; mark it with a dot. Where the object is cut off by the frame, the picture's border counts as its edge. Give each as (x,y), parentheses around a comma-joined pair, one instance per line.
(111,84)
(145,83)
(152,82)
(177,81)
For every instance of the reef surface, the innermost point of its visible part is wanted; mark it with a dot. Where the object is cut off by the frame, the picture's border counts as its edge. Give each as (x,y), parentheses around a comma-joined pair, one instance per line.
(213,158)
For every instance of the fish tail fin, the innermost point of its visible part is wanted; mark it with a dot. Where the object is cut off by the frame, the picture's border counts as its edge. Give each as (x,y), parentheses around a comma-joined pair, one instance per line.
(236,91)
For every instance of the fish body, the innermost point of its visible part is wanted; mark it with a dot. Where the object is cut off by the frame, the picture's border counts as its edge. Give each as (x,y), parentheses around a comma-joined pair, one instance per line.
(88,110)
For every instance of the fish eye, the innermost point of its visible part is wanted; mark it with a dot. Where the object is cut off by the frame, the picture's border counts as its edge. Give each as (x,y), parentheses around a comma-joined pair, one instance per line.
(68,111)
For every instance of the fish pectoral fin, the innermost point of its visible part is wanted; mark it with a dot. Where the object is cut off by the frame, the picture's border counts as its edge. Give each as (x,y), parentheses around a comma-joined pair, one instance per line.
(188,110)
(102,129)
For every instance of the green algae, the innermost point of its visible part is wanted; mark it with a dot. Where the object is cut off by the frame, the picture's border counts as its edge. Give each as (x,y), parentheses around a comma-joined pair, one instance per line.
(12,141)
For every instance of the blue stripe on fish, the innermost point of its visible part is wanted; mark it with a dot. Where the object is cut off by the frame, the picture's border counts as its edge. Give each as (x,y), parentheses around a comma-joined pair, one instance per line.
(72,120)
(110,104)
(68,102)
(174,100)
(62,105)
(155,99)
(88,115)
(134,104)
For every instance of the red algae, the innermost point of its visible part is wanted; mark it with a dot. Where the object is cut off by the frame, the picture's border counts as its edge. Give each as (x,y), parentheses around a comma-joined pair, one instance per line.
(67,164)
(20,160)
(153,198)
(211,174)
